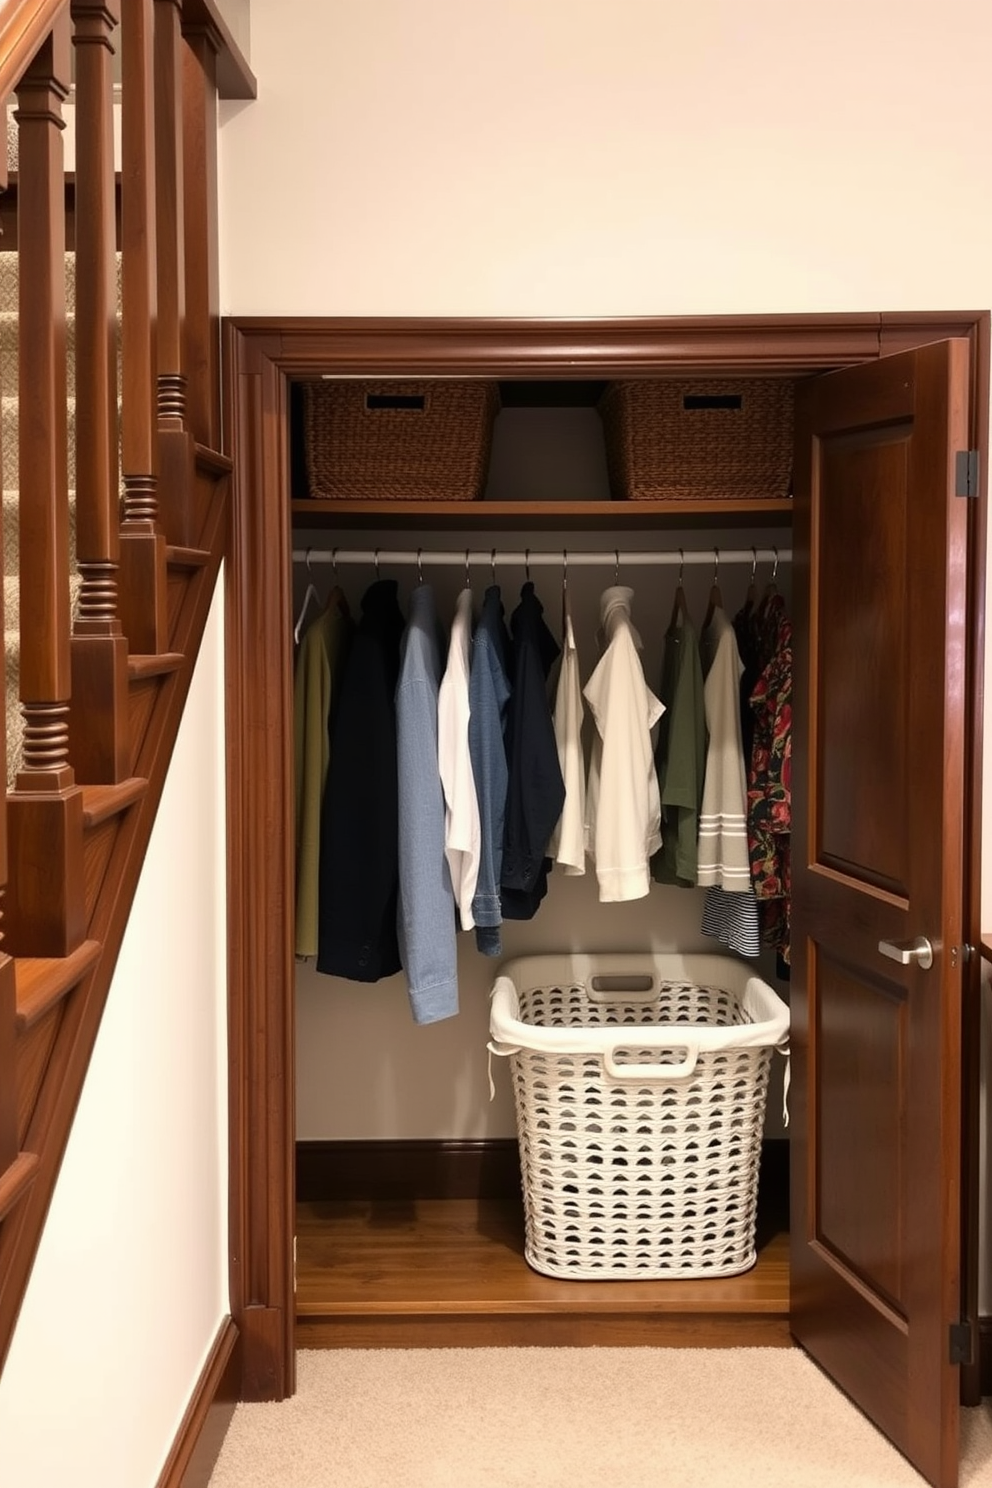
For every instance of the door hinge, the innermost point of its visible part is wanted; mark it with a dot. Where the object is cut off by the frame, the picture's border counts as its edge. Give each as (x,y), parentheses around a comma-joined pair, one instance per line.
(961,1343)
(966,473)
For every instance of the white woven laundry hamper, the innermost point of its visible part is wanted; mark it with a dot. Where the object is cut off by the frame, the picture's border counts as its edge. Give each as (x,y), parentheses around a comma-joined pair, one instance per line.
(640,1084)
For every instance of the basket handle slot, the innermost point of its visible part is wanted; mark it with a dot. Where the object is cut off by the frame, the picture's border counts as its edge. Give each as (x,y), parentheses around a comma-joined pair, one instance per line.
(410,402)
(692,402)
(643,1072)
(606,985)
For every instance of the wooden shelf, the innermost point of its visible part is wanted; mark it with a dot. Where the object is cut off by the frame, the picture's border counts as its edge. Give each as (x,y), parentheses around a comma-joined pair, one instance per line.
(451,1272)
(511,515)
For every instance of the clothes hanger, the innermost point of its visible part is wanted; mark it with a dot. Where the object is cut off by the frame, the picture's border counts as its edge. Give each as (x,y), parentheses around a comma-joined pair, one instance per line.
(311,594)
(492,564)
(716,598)
(771,587)
(680,610)
(751,596)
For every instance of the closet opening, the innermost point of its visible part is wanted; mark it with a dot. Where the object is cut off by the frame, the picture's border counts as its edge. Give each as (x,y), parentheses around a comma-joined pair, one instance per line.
(410,1213)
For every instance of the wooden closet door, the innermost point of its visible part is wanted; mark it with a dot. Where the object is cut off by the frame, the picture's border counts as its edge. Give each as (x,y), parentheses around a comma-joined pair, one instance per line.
(878,842)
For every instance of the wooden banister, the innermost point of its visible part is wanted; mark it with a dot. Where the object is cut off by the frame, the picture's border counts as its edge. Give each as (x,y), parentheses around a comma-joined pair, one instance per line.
(202,258)
(177,478)
(169,215)
(90,703)
(42,464)
(143,598)
(23,28)
(98,735)
(8,1044)
(46,903)
(8,987)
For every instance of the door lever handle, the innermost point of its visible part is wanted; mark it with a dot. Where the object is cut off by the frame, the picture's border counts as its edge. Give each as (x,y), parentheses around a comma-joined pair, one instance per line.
(906,952)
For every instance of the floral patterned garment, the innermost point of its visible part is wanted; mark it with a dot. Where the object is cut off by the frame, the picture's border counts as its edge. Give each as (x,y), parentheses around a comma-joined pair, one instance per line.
(770,776)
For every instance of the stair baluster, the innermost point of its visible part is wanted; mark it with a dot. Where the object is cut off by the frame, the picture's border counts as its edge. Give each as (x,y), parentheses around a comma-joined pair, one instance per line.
(200,214)
(45,822)
(142,600)
(176,454)
(8,989)
(99,734)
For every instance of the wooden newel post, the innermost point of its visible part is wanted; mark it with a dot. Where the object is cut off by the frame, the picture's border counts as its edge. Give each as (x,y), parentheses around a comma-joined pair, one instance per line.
(45,827)
(99,734)
(143,572)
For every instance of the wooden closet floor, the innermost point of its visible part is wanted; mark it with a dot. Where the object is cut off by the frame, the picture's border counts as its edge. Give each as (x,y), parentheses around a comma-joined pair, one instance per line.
(422,1273)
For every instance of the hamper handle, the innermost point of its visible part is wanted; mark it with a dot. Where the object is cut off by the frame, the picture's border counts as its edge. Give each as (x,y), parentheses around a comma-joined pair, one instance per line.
(638,986)
(642,1072)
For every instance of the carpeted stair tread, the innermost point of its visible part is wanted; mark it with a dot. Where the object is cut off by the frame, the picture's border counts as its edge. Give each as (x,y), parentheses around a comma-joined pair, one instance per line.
(9,328)
(10,415)
(9,281)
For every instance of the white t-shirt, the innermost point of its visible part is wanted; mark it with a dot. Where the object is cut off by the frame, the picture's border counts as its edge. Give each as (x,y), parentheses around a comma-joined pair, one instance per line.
(623,803)
(462,835)
(568,845)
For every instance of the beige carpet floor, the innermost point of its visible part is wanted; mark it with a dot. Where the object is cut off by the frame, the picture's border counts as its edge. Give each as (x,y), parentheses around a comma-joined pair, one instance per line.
(570,1418)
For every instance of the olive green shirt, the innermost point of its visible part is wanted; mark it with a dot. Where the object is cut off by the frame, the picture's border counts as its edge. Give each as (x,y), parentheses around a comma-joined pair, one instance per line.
(680,757)
(321,652)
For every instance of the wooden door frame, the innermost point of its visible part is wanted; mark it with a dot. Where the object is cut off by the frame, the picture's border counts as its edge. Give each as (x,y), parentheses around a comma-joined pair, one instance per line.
(261,355)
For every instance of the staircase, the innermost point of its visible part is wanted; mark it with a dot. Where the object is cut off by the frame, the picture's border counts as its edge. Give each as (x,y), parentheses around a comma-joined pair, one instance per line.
(114,507)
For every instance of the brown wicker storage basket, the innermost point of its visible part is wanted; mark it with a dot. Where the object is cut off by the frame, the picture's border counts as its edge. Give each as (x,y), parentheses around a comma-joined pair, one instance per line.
(699,439)
(398,441)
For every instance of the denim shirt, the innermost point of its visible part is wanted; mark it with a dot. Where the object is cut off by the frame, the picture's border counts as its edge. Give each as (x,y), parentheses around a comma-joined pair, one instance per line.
(426,916)
(488,695)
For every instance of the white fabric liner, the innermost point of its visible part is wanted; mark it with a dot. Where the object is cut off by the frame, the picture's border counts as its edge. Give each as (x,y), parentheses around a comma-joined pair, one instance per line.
(767,1014)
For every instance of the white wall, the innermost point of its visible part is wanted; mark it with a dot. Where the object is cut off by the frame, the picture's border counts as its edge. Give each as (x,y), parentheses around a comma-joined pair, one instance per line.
(535,157)
(130,1283)
(529,157)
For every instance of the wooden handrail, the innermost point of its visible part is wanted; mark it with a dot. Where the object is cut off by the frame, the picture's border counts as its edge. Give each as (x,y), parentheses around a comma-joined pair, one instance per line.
(23,28)
(24,24)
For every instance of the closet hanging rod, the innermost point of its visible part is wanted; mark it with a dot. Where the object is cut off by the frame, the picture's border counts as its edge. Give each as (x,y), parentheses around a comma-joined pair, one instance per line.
(538,558)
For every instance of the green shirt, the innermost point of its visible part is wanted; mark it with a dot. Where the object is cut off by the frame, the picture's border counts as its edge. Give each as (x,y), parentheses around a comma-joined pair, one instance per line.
(680,756)
(317,667)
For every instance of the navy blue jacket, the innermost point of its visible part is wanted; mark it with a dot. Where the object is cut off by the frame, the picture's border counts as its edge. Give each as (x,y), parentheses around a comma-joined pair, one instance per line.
(488,695)
(359,833)
(535,790)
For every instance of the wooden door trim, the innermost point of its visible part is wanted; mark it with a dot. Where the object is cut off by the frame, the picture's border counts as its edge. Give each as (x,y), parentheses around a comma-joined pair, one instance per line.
(260,355)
